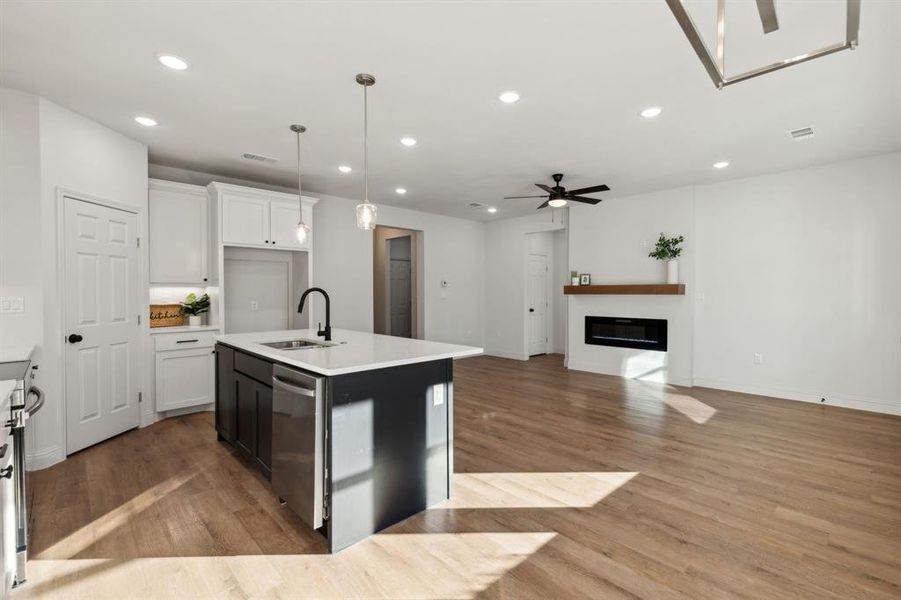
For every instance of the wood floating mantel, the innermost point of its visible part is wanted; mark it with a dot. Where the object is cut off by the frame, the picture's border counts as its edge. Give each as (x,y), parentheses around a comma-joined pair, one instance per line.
(659,289)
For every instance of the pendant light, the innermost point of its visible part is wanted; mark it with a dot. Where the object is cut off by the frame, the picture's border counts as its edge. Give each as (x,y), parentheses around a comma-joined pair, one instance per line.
(366,212)
(303,230)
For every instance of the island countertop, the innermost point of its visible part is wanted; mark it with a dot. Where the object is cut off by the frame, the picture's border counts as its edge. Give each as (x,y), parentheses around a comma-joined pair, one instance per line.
(349,352)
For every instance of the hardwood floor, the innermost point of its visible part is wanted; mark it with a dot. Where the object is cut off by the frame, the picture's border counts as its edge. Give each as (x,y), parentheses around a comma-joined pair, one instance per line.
(567,485)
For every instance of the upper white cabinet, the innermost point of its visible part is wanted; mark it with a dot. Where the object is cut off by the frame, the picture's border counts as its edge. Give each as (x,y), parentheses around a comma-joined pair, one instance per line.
(179,233)
(253,217)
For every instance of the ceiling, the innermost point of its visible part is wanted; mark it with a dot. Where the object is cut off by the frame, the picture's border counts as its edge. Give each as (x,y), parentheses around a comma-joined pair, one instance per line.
(584,71)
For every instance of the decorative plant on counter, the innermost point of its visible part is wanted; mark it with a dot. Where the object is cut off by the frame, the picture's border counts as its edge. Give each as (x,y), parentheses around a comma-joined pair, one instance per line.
(574,277)
(194,307)
(668,249)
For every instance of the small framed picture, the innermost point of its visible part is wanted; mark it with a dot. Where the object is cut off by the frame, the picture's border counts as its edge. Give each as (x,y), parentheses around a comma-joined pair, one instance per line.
(584,279)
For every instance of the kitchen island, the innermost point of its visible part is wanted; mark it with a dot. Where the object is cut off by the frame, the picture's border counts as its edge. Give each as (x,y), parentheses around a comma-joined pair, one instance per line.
(355,433)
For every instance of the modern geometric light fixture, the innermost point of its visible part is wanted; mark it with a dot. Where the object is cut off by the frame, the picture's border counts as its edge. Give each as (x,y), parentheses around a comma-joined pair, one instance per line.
(767,9)
(366,212)
(303,230)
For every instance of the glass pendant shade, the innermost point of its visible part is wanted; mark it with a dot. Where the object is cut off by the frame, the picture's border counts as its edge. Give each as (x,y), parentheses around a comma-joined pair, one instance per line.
(557,203)
(366,215)
(302,232)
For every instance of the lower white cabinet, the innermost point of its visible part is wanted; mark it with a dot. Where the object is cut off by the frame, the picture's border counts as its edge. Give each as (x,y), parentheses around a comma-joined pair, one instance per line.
(185,376)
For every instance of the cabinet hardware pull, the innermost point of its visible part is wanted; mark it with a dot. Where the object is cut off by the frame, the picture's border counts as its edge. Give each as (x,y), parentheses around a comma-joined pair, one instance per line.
(3,450)
(6,473)
(186,341)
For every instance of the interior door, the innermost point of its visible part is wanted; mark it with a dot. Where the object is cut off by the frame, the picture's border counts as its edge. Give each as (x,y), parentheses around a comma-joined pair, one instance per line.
(537,304)
(102,294)
(400,291)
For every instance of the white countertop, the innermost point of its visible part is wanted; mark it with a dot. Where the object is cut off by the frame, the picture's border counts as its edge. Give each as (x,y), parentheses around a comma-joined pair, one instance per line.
(352,351)
(16,353)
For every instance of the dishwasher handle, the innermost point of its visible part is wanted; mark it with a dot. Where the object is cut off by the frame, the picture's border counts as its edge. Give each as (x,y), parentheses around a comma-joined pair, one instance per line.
(281,383)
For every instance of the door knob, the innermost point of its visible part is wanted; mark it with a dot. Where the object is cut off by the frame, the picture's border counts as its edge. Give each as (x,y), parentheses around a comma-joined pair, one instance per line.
(531,310)
(75,338)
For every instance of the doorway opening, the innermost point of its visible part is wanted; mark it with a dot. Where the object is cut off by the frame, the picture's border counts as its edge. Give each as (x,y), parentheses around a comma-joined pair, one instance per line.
(397,273)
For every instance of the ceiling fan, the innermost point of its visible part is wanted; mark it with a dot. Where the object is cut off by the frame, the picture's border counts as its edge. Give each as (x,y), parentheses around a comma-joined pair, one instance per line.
(557,196)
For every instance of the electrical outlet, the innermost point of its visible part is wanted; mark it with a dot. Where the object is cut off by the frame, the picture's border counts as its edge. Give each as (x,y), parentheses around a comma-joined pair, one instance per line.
(12,304)
(254,305)
(758,358)
(644,244)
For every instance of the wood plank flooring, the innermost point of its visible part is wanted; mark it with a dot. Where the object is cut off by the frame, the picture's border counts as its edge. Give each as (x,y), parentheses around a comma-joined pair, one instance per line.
(567,485)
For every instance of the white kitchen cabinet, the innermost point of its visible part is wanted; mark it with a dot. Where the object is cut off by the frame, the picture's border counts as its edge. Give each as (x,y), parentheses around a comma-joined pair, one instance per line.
(179,228)
(245,219)
(184,378)
(185,369)
(260,218)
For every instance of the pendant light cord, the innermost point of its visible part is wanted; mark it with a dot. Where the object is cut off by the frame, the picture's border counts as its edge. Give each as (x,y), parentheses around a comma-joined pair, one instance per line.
(365,144)
(299,188)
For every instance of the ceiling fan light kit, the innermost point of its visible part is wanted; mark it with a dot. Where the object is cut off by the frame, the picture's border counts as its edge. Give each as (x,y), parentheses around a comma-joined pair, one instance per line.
(716,68)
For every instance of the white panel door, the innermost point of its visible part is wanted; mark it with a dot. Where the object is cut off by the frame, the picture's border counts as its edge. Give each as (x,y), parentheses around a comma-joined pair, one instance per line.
(179,232)
(283,218)
(184,378)
(101,296)
(245,220)
(536,303)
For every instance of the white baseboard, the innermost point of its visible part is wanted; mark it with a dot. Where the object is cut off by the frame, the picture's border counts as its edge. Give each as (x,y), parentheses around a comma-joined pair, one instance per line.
(504,354)
(41,459)
(855,402)
(591,368)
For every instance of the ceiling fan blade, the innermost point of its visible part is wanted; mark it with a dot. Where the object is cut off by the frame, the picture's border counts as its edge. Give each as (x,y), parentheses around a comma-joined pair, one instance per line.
(543,205)
(546,188)
(584,199)
(588,190)
(516,197)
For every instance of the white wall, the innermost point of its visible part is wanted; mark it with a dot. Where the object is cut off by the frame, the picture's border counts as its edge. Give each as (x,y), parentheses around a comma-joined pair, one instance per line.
(803,267)
(453,251)
(506,250)
(81,156)
(611,241)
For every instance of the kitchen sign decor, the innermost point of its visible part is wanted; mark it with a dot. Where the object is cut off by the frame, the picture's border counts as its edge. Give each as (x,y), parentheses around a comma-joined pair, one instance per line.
(166,315)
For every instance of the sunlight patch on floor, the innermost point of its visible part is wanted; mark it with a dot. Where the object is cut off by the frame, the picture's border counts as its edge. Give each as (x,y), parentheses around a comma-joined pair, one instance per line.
(443,565)
(532,490)
(689,406)
(84,537)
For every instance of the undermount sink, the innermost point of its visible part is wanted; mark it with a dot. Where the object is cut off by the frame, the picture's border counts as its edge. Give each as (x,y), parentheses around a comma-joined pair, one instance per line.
(294,345)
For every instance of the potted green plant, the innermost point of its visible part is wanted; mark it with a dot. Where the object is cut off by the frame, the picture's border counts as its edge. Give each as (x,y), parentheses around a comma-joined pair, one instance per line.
(668,249)
(574,277)
(194,307)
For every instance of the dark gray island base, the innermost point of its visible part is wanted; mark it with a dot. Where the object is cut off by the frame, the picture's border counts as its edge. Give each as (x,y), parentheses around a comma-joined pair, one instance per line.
(386,446)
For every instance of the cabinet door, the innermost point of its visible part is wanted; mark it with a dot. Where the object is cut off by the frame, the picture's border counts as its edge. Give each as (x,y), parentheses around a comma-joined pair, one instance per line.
(225,393)
(264,425)
(245,219)
(246,396)
(184,378)
(283,224)
(179,235)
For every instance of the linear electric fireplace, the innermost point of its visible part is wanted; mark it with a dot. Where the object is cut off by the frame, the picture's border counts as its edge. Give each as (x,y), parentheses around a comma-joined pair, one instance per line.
(644,334)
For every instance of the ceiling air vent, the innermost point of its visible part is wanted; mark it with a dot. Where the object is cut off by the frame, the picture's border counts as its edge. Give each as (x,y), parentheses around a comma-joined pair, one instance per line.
(259,157)
(475,205)
(804,132)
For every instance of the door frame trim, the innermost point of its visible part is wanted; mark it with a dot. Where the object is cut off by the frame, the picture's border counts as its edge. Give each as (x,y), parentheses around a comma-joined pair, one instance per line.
(528,320)
(61,193)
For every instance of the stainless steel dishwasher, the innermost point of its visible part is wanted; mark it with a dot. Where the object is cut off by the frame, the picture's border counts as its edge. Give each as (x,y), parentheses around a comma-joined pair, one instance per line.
(298,442)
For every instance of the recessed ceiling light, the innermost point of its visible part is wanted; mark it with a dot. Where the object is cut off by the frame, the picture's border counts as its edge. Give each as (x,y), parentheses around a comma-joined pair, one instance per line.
(492,210)
(146,121)
(651,112)
(721,164)
(508,97)
(557,203)
(173,62)
(408,141)
(401,191)
(344,169)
